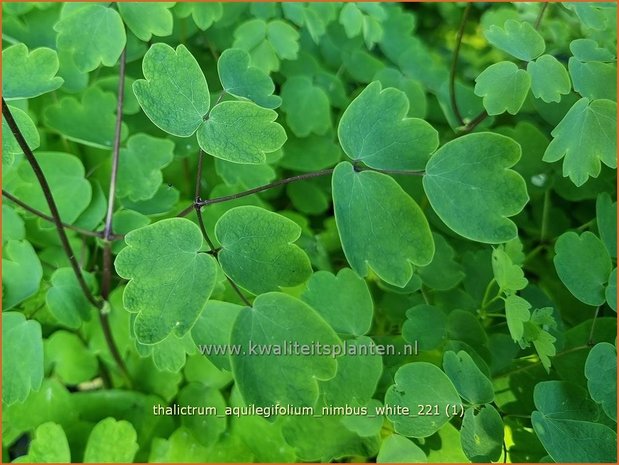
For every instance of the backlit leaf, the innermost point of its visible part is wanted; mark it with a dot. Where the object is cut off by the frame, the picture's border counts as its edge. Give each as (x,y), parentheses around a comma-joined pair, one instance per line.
(49,445)
(508,275)
(111,441)
(517,313)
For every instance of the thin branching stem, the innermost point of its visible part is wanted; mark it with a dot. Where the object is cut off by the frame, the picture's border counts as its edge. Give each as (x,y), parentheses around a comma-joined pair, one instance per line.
(538,21)
(454,65)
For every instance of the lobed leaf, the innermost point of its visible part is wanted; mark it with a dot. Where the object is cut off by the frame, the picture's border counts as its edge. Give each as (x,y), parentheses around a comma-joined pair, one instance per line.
(28,74)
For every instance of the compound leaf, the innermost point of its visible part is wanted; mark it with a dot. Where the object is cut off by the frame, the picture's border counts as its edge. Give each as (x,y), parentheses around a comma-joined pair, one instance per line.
(92,35)
(140,164)
(279,376)
(175,94)
(10,147)
(306,105)
(518,38)
(374,129)
(517,313)
(601,373)
(490,85)
(482,434)
(22,357)
(241,132)
(380,225)
(170,281)
(508,275)
(471,188)
(583,264)
(416,384)
(29,74)
(147,19)
(344,301)
(257,250)
(241,79)
(111,441)
(585,136)
(549,79)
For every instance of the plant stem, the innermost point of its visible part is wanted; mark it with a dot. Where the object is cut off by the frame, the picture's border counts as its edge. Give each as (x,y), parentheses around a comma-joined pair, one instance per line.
(51,203)
(545,213)
(538,21)
(46,217)
(590,341)
(454,64)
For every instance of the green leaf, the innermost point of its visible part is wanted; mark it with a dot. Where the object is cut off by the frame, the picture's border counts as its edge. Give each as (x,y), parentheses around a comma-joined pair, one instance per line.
(594,80)
(611,290)
(274,320)
(310,153)
(206,428)
(306,105)
(606,214)
(482,434)
(508,275)
(174,95)
(140,164)
(425,325)
(22,357)
(470,186)
(21,272)
(344,301)
(49,445)
(549,79)
(585,136)
(518,38)
(71,361)
(29,74)
(241,79)
(491,84)
(469,380)
(416,384)
(258,251)
(91,122)
(147,19)
(601,373)
(583,264)
(170,281)
(65,175)
(65,298)
(93,35)
(10,146)
(168,355)
(241,132)
(443,272)
(247,176)
(398,449)
(589,50)
(203,14)
(374,129)
(111,441)
(12,225)
(352,19)
(380,226)
(517,313)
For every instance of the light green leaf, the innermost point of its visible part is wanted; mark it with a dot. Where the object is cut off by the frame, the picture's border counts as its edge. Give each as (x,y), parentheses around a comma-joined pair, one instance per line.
(398,449)
(206,428)
(585,136)
(549,79)
(91,121)
(258,251)
(471,383)
(65,298)
(49,445)
(12,225)
(306,105)
(93,35)
(21,272)
(274,320)
(517,313)
(203,14)
(518,38)
(174,95)
(29,74)
(491,84)
(601,373)
(170,281)
(470,186)
(583,264)
(147,19)
(508,275)
(65,175)
(374,129)
(594,80)
(380,226)
(111,441)
(482,434)
(168,355)
(352,19)
(71,361)
(241,132)
(284,39)
(22,357)
(10,146)
(425,325)
(416,384)
(589,50)
(125,221)
(344,301)
(606,214)
(241,79)
(140,164)
(443,272)
(310,153)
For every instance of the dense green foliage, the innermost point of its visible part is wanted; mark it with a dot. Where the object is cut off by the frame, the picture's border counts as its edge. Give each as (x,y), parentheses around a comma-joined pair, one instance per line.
(426,191)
